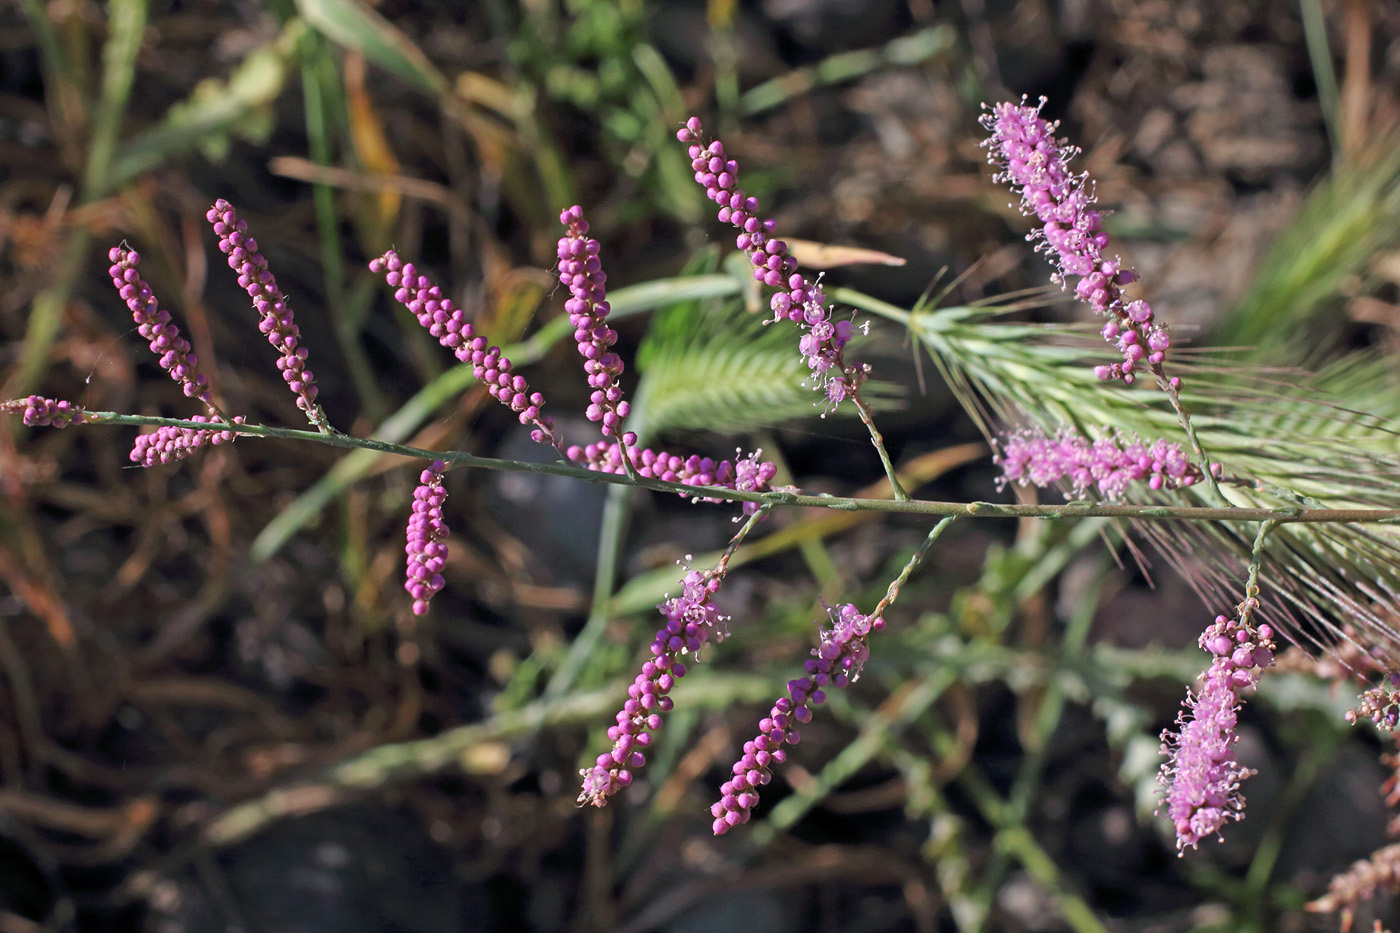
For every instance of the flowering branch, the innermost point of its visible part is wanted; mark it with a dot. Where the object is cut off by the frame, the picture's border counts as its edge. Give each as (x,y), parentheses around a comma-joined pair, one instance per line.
(1072,510)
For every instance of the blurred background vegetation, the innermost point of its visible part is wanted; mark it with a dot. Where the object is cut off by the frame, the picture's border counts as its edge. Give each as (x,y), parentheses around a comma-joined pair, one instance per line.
(216,711)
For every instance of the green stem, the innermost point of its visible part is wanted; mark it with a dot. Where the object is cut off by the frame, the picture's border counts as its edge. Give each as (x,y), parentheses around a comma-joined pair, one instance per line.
(1174,396)
(783,498)
(878,440)
(917,558)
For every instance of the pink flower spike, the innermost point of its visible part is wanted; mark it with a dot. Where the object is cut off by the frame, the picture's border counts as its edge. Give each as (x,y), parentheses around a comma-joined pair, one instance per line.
(1201,776)
(426,550)
(276,315)
(748,474)
(692,620)
(445,321)
(173,444)
(581,272)
(796,299)
(45,412)
(1036,166)
(155,325)
(1110,464)
(840,655)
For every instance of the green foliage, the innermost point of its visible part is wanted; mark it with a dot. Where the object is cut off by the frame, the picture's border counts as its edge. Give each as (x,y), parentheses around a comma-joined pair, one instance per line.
(596,59)
(1348,220)
(218,111)
(356,25)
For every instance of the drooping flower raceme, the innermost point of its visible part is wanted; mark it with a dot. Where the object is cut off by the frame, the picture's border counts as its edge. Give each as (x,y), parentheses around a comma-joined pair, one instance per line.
(154,324)
(276,315)
(445,321)
(581,272)
(796,299)
(426,550)
(837,661)
(692,620)
(1110,464)
(1201,775)
(1036,166)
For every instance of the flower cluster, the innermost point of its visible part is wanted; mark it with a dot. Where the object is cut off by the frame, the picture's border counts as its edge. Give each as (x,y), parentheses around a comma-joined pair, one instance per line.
(445,321)
(154,324)
(276,324)
(581,272)
(836,662)
(427,554)
(1201,776)
(691,621)
(1111,463)
(1380,704)
(796,299)
(1036,165)
(747,474)
(40,412)
(173,444)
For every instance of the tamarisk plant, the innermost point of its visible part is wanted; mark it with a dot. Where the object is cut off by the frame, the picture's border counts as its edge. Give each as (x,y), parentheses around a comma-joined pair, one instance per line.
(1264,507)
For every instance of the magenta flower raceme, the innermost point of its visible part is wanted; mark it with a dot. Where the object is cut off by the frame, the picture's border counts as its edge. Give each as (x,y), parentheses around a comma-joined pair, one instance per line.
(581,272)
(837,661)
(1036,165)
(691,621)
(1201,775)
(449,325)
(276,324)
(748,474)
(427,554)
(173,444)
(796,299)
(1110,464)
(154,324)
(40,412)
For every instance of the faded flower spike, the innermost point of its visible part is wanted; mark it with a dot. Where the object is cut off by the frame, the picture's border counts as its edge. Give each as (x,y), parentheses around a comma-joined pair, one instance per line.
(837,661)
(1201,776)
(1036,166)
(276,324)
(796,299)
(154,324)
(173,444)
(449,325)
(581,272)
(427,554)
(1111,464)
(691,621)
